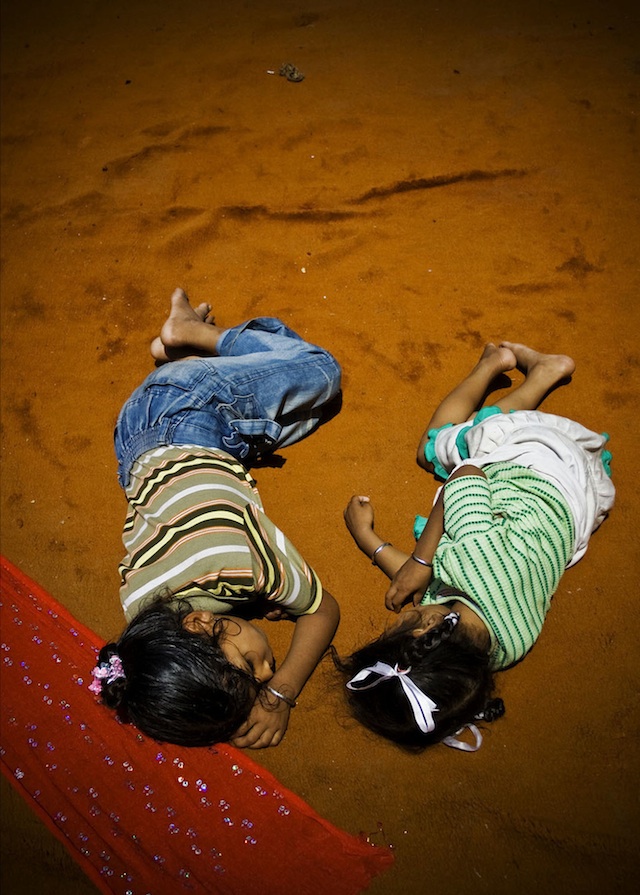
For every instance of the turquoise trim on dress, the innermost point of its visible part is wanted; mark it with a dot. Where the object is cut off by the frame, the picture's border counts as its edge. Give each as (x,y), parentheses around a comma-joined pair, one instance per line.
(484,412)
(606,456)
(430,452)
(461,443)
(461,440)
(461,437)
(419,525)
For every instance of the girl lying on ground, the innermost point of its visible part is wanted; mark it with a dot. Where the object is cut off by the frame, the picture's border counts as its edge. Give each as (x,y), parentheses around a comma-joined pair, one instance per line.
(524,491)
(202,556)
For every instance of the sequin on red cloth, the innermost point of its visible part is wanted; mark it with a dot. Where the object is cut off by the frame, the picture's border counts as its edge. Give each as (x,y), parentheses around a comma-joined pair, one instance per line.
(137,816)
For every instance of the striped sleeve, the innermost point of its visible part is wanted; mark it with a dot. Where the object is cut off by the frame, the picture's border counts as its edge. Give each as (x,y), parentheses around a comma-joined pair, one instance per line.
(195,528)
(467,506)
(506,544)
(285,578)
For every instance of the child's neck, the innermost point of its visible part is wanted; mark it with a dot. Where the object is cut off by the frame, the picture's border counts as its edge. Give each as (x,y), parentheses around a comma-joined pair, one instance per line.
(473,623)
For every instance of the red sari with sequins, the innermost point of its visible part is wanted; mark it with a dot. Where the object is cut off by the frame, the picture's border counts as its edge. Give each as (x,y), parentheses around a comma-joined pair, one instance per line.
(141,817)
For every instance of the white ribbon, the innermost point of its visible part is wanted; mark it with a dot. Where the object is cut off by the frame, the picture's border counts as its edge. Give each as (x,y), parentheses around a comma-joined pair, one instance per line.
(455,743)
(421,706)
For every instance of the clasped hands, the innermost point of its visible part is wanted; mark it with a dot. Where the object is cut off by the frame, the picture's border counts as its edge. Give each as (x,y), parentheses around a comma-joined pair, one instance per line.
(409,579)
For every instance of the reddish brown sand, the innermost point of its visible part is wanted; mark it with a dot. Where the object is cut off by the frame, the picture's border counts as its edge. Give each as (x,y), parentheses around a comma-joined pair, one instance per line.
(447,173)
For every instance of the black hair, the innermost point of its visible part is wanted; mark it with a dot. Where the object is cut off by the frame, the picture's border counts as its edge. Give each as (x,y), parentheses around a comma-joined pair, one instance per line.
(178,687)
(445,663)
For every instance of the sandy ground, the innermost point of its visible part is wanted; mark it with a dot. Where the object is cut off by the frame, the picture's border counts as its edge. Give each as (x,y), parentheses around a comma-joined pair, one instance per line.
(448,173)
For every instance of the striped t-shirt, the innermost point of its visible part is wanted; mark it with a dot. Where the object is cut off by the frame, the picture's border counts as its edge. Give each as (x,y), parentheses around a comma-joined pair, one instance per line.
(196,527)
(507,539)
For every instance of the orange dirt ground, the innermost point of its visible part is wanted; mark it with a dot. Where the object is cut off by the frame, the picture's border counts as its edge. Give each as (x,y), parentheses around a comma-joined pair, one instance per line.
(448,173)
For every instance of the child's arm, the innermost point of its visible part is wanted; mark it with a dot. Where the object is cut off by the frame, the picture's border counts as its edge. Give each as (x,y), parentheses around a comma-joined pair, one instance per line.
(359,519)
(412,580)
(312,635)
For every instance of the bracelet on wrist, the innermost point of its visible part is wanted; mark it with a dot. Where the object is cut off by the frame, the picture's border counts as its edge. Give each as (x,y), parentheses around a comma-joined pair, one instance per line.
(290,702)
(377,550)
(422,562)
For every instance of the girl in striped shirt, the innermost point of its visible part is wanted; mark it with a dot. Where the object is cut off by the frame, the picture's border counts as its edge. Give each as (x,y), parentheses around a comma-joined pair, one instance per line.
(524,491)
(202,557)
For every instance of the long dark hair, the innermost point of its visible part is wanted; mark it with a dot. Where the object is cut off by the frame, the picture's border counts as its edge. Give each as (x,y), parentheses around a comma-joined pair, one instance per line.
(177,687)
(446,664)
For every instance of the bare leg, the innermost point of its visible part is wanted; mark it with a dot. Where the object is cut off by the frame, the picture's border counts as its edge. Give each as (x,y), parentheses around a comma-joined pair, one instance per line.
(542,373)
(186,332)
(465,398)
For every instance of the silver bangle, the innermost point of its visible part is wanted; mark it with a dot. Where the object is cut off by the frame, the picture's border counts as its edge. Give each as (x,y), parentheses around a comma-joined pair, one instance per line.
(290,702)
(422,562)
(377,550)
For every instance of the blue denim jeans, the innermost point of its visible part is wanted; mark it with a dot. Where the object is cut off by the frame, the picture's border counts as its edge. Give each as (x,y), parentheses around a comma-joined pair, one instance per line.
(266,390)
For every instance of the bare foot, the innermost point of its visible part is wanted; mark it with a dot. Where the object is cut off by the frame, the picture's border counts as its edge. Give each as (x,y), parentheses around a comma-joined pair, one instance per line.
(186,332)
(497,359)
(158,349)
(546,369)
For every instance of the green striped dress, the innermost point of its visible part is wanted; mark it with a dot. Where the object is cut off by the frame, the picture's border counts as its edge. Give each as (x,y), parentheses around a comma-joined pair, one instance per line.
(195,526)
(507,540)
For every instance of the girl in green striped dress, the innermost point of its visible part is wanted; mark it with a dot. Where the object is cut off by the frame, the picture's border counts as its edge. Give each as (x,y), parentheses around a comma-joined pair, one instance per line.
(524,490)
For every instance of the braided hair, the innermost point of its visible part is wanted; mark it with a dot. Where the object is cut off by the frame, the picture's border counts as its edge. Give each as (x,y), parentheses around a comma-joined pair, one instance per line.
(174,685)
(445,663)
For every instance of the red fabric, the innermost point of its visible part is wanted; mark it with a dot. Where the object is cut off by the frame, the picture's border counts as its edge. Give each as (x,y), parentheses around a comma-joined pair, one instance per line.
(140,817)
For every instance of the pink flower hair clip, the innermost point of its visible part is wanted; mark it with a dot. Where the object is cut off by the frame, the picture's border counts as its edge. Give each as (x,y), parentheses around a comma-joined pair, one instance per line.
(106,671)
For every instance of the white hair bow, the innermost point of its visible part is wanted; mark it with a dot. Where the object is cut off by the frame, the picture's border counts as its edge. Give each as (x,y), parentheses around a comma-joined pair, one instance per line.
(421,706)
(455,743)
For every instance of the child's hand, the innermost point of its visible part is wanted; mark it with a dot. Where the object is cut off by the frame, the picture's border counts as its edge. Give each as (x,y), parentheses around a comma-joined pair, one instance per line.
(265,726)
(275,615)
(358,516)
(408,584)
